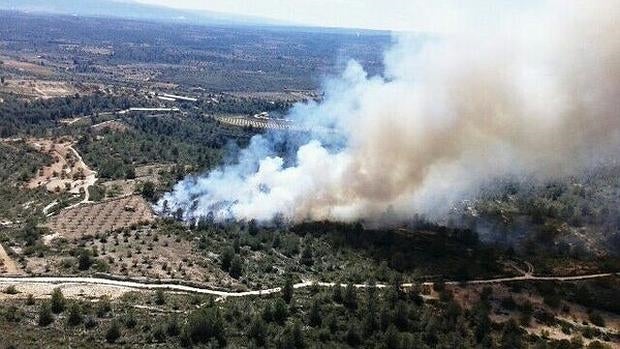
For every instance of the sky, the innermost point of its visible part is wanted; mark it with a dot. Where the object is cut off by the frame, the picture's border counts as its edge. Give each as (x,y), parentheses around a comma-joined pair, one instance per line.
(435,16)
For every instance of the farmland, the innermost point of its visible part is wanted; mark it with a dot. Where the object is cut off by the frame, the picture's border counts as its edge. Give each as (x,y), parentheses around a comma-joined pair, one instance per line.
(99,218)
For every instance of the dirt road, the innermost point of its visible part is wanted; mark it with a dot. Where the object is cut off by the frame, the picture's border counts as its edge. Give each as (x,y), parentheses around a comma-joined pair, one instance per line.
(7,265)
(127,286)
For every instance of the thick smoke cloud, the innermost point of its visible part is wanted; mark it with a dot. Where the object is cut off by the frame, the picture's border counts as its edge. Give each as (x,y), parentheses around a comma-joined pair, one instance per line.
(539,99)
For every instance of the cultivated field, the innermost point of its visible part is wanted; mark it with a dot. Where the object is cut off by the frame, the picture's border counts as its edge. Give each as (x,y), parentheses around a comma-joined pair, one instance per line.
(247,121)
(93,219)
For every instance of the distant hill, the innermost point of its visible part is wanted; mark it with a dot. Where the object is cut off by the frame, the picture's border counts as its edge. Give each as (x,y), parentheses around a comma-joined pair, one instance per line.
(132,10)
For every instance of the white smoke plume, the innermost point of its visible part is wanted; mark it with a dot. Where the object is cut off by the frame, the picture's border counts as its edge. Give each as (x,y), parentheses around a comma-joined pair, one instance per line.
(539,98)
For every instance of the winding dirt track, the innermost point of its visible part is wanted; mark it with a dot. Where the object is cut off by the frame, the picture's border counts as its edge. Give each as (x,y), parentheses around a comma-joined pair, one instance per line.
(134,285)
(7,263)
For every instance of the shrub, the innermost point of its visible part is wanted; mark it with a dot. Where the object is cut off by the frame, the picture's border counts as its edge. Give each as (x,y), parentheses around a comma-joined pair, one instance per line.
(30,300)
(11,290)
(85,261)
(75,315)
(90,322)
(113,333)
(160,297)
(597,319)
(279,311)
(45,315)
(227,258)
(236,267)
(129,320)
(103,307)
(172,327)
(57,301)
(159,334)
(203,325)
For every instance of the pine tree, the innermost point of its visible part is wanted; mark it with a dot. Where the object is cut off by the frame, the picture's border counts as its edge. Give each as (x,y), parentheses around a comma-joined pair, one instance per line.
(236,267)
(350,297)
(258,331)
(75,315)
(314,315)
(45,315)
(57,301)
(113,333)
(288,289)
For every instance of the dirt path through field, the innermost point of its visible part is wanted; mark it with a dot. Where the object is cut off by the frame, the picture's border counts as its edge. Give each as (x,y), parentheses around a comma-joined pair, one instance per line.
(7,265)
(143,285)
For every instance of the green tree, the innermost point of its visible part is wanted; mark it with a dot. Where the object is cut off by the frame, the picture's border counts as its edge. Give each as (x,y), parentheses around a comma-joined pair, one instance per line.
(160,297)
(288,289)
(148,191)
(45,314)
(391,338)
(512,337)
(306,255)
(172,327)
(236,267)
(113,333)
(337,294)
(57,301)
(227,258)
(85,261)
(258,331)
(350,297)
(204,325)
(75,315)
(314,315)
(352,336)
(279,311)
(292,337)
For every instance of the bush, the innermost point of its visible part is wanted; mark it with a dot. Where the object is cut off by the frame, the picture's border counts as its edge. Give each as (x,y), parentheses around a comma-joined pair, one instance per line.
(203,325)
(279,311)
(236,267)
(103,307)
(288,289)
(113,333)
(258,331)
(13,314)
(45,315)
(160,297)
(85,261)
(11,290)
(172,327)
(129,320)
(75,315)
(159,334)
(227,258)
(90,322)
(57,301)
(597,319)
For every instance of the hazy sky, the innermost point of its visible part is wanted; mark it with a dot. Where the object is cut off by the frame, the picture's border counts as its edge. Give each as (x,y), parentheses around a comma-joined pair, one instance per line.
(408,15)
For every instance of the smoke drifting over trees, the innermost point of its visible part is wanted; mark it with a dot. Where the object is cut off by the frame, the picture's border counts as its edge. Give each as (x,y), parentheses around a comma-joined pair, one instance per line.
(538,99)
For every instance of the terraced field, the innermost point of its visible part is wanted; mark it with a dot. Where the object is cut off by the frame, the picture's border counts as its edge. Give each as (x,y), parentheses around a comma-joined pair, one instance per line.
(245,121)
(93,219)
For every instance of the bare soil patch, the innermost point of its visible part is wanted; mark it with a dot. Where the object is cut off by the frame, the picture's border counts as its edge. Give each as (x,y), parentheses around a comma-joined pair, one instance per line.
(7,265)
(68,172)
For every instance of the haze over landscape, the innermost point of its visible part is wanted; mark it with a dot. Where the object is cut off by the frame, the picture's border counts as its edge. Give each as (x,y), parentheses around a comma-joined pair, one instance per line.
(308,174)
